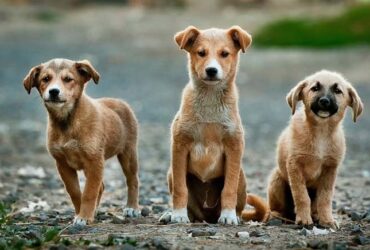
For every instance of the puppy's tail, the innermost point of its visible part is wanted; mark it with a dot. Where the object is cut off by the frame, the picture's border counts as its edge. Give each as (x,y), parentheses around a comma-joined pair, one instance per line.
(260,211)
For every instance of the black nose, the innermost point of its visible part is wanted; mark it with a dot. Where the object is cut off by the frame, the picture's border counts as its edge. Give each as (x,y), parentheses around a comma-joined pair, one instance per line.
(211,72)
(54,93)
(324,102)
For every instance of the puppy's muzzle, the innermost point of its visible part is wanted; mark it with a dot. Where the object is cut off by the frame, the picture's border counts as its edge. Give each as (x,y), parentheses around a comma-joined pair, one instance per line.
(54,96)
(324,106)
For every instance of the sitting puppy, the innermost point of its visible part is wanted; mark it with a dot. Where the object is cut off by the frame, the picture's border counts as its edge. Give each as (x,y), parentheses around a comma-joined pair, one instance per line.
(83,133)
(311,148)
(206,178)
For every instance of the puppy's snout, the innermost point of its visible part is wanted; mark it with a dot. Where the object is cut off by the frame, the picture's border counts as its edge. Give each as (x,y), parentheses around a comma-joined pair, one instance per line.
(211,72)
(324,102)
(54,93)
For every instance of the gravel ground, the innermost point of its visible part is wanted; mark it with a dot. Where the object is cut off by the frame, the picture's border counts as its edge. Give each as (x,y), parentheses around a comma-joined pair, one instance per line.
(134,52)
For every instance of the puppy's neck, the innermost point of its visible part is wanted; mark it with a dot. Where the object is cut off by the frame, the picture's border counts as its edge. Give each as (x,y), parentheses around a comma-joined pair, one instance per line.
(64,117)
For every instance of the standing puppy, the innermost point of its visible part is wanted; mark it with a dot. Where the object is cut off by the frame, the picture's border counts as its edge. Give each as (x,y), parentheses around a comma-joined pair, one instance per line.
(84,132)
(311,148)
(206,179)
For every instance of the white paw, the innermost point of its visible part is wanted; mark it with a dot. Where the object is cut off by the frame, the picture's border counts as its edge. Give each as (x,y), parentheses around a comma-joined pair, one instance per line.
(228,217)
(131,212)
(79,221)
(180,216)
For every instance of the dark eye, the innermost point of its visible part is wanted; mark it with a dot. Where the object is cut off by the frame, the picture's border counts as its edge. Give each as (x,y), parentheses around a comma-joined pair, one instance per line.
(225,54)
(201,53)
(45,79)
(67,79)
(337,91)
(316,87)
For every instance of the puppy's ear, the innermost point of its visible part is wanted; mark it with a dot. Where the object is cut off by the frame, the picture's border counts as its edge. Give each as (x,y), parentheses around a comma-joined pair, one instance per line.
(355,103)
(87,71)
(30,80)
(186,38)
(295,95)
(242,39)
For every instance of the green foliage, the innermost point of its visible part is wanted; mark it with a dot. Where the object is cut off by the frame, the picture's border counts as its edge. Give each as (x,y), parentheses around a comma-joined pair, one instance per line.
(352,27)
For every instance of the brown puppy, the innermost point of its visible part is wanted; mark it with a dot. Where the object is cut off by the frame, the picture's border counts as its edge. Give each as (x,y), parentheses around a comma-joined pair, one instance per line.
(205,178)
(311,148)
(83,133)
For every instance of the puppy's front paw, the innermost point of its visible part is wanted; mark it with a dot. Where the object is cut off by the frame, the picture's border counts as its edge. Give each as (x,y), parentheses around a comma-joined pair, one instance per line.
(303,219)
(180,216)
(228,217)
(329,224)
(131,212)
(78,221)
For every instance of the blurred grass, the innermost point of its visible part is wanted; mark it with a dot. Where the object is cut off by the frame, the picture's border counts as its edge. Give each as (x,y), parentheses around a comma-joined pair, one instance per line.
(350,28)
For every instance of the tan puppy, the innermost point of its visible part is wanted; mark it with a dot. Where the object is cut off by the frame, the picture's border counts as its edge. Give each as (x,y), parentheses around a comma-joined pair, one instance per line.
(206,179)
(83,133)
(311,148)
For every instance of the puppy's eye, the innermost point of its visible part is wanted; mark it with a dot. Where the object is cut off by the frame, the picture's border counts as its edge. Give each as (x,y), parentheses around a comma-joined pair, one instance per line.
(316,88)
(337,91)
(225,54)
(201,53)
(68,79)
(45,79)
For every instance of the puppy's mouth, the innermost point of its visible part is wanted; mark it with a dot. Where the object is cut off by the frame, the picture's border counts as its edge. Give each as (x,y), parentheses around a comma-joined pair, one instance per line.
(324,113)
(211,81)
(54,101)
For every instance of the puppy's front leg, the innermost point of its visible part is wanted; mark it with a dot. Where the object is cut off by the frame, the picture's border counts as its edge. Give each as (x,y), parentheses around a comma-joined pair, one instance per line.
(302,202)
(233,152)
(70,180)
(324,196)
(179,188)
(94,180)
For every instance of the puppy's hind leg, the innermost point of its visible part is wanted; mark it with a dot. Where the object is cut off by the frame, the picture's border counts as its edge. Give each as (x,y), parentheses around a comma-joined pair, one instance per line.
(129,163)
(280,202)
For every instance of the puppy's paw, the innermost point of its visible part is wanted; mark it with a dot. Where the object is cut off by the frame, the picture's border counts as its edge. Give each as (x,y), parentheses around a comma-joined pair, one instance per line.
(180,216)
(78,221)
(329,224)
(228,217)
(131,212)
(303,219)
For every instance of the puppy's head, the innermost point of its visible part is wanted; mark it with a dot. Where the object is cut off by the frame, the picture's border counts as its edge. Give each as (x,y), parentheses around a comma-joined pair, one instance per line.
(213,53)
(60,82)
(326,95)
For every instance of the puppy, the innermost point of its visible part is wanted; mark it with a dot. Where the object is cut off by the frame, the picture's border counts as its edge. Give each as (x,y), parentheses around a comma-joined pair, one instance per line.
(84,132)
(206,179)
(311,148)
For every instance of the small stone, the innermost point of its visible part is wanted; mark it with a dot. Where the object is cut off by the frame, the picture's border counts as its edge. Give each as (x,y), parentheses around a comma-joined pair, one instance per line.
(243,235)
(117,219)
(158,209)
(314,243)
(361,240)
(343,210)
(145,211)
(355,216)
(305,232)
(338,245)
(356,230)
(257,233)
(261,240)
(198,232)
(160,244)
(297,244)
(274,222)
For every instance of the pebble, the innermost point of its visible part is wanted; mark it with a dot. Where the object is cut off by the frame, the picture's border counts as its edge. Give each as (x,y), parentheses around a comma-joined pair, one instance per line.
(261,240)
(297,244)
(117,219)
(355,216)
(243,235)
(198,232)
(257,233)
(305,232)
(145,211)
(317,244)
(158,209)
(361,240)
(356,230)
(274,222)
(160,244)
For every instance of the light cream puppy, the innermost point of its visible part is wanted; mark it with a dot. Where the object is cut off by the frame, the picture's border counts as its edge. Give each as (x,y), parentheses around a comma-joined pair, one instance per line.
(311,148)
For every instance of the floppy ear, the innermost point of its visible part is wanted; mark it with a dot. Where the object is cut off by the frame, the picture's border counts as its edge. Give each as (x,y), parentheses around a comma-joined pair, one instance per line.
(355,103)
(240,37)
(30,80)
(186,38)
(85,68)
(295,95)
